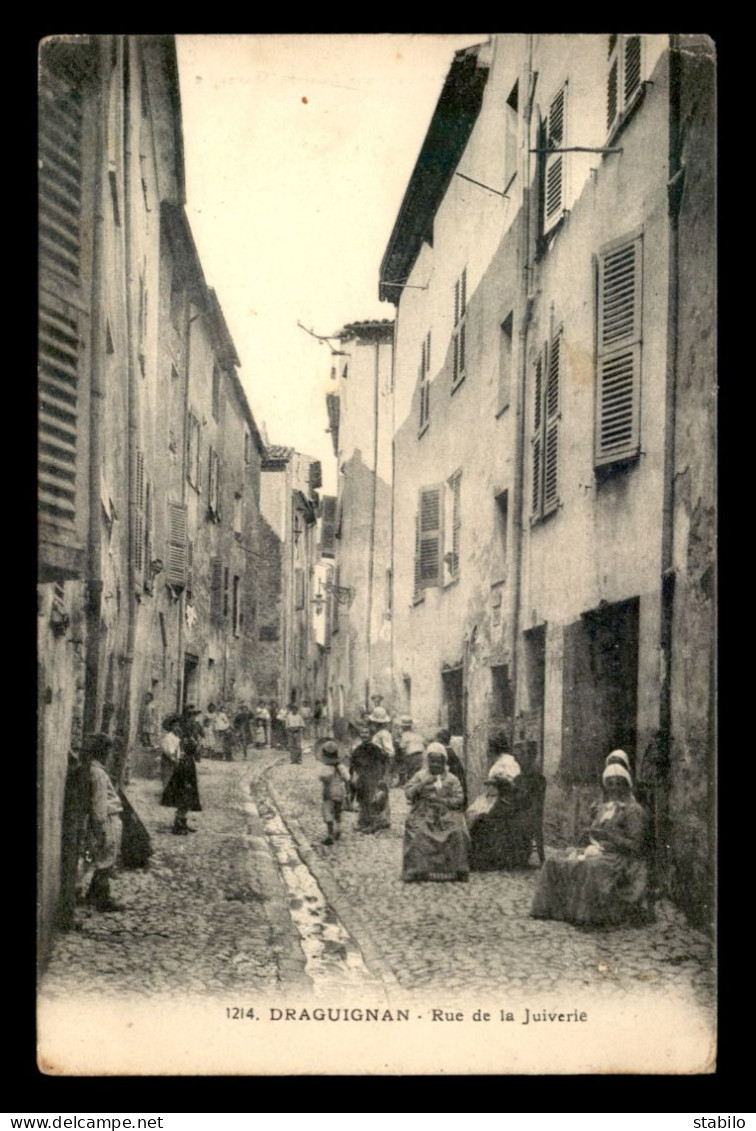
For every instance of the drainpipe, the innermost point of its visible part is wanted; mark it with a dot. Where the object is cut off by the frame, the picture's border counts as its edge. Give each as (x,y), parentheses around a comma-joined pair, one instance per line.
(371,552)
(97,395)
(675,187)
(133,416)
(526,309)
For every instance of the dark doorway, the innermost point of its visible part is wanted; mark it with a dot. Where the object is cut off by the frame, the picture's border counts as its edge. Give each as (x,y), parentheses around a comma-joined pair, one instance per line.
(191,669)
(530,728)
(454,700)
(502,702)
(600,705)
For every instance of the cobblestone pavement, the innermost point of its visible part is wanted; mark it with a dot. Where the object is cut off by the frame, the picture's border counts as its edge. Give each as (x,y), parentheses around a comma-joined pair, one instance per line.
(209,914)
(478,938)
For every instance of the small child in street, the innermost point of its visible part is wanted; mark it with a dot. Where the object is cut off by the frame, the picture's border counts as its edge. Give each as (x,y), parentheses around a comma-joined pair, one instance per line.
(334,780)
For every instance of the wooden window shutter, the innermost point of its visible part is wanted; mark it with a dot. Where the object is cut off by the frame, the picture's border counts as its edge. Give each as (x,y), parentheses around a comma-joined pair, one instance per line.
(537,468)
(328,535)
(139,493)
(431,541)
(216,587)
(60,176)
(553,205)
(190,569)
(619,352)
(149,535)
(456,486)
(175,569)
(417,586)
(632,76)
(613,104)
(551,427)
(58,415)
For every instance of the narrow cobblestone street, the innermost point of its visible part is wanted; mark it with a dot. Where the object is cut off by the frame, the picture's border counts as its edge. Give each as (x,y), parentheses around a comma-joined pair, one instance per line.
(254,902)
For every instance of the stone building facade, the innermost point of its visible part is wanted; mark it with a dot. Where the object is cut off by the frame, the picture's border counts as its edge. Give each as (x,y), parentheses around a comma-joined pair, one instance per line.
(358,521)
(554,443)
(149,456)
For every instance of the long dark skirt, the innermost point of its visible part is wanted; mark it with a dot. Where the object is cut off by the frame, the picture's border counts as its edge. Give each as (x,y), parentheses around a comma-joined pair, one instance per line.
(435,843)
(182,791)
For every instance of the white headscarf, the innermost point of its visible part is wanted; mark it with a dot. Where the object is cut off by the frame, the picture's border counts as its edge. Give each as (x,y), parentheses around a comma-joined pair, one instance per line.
(505,768)
(619,756)
(617,771)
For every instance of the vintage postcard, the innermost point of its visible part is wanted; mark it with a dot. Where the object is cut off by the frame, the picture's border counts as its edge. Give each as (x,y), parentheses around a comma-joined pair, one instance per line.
(376,614)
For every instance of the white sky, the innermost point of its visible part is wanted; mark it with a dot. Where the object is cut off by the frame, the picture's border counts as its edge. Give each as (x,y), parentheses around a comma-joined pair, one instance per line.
(298,151)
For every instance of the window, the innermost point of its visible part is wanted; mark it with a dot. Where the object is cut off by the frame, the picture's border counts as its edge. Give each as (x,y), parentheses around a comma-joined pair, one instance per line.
(193,433)
(175,568)
(459,334)
(424,375)
(328,528)
(451,527)
(216,588)
(554,167)
(546,420)
(428,539)
(149,535)
(624,83)
(214,489)
(236,607)
(505,364)
(216,392)
(238,516)
(619,351)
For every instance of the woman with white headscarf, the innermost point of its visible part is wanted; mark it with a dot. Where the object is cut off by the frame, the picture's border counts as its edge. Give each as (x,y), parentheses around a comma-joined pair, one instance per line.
(605,881)
(435,835)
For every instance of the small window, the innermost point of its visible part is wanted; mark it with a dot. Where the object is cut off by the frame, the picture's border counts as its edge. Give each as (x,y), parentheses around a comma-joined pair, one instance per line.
(193,435)
(459,333)
(238,512)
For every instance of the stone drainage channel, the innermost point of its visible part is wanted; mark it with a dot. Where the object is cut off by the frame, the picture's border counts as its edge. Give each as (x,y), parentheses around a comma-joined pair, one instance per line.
(334,962)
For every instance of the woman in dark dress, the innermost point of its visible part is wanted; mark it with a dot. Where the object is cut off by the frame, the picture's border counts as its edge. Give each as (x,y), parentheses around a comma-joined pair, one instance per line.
(182,792)
(369,767)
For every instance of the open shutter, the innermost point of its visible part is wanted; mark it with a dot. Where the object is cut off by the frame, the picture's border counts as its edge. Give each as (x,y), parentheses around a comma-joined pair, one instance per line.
(175,570)
(417,586)
(619,352)
(554,195)
(139,492)
(537,461)
(328,534)
(60,151)
(632,76)
(149,535)
(551,427)
(430,537)
(190,569)
(216,588)
(456,487)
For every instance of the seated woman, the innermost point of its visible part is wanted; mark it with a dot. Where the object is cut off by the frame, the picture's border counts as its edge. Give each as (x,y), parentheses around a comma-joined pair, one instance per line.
(605,882)
(435,835)
(504,821)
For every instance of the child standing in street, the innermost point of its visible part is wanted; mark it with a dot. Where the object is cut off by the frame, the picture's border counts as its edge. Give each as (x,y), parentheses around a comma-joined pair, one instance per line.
(334,779)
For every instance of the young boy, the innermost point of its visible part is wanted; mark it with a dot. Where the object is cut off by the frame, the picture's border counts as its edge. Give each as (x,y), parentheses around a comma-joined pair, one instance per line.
(334,779)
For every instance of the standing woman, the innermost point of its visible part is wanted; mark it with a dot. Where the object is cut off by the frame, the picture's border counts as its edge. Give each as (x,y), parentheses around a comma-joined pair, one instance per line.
(435,835)
(170,747)
(370,767)
(181,791)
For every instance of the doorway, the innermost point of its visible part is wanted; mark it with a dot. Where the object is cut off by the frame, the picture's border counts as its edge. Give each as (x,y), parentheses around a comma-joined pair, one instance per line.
(454,700)
(530,728)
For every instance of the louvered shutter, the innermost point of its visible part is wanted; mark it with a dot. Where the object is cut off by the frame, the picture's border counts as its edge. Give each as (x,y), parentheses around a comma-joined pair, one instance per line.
(613,104)
(619,352)
(417,586)
(139,493)
(551,427)
(58,414)
(537,467)
(328,535)
(632,76)
(456,487)
(430,537)
(175,570)
(190,569)
(216,588)
(149,535)
(554,169)
(60,140)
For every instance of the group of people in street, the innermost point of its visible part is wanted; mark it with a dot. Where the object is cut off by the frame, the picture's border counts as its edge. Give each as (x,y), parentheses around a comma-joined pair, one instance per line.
(603,881)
